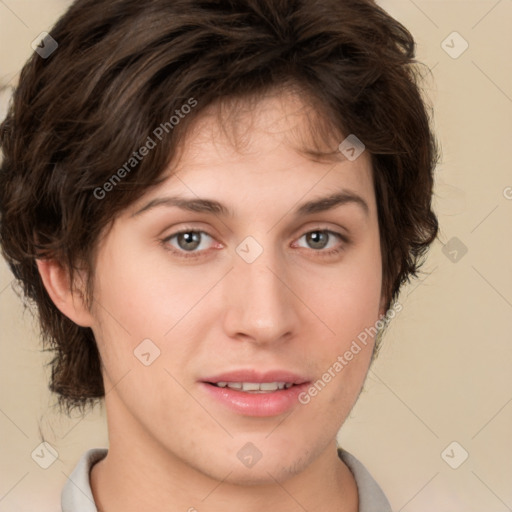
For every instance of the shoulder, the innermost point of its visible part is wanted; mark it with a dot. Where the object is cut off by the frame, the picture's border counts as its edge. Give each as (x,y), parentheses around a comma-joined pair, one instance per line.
(76,493)
(371,496)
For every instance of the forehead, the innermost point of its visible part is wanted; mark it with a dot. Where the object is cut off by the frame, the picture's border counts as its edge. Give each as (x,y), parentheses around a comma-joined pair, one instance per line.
(255,154)
(289,116)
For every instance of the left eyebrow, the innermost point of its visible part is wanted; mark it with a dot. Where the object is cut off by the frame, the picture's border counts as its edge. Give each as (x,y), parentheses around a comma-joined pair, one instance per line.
(323,204)
(201,205)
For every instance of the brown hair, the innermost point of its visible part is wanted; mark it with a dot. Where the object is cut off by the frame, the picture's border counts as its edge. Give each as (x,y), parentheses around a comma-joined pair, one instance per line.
(125,67)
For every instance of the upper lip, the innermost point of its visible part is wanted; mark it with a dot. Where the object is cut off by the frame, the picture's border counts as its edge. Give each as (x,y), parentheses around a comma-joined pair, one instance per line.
(252,375)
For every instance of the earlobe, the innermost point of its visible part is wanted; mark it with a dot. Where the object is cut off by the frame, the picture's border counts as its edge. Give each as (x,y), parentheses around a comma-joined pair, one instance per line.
(70,302)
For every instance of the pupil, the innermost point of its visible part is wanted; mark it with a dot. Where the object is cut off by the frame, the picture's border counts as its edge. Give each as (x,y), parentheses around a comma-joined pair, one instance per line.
(315,236)
(190,237)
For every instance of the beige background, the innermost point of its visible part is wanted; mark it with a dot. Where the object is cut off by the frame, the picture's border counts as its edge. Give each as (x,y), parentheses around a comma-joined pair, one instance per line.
(444,372)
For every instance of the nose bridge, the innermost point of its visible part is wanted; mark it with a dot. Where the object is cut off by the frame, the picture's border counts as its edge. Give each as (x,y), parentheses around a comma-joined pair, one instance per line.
(262,306)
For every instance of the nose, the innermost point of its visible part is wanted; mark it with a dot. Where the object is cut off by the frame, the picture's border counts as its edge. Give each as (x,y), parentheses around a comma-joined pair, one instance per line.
(262,307)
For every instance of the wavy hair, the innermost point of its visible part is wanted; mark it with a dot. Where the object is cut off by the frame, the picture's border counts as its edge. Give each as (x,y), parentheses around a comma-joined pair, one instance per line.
(122,67)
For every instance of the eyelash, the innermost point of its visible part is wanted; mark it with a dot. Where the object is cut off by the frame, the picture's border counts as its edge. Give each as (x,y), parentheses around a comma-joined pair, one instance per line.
(184,254)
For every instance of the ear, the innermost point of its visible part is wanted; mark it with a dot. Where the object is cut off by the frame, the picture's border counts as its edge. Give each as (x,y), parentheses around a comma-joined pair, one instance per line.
(71,303)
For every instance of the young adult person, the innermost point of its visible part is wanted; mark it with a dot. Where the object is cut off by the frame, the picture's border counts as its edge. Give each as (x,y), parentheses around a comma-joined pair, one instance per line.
(209,203)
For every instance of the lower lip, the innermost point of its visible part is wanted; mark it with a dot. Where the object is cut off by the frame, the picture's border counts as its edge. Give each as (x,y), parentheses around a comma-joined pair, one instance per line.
(257,404)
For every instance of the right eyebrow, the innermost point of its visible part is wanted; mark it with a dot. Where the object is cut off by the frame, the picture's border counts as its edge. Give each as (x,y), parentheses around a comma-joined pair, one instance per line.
(203,205)
(190,204)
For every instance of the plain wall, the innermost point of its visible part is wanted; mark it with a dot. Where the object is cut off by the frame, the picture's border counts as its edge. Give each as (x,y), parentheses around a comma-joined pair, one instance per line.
(444,371)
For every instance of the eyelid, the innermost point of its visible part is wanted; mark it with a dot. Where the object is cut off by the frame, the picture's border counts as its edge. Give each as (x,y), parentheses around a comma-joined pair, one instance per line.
(345,238)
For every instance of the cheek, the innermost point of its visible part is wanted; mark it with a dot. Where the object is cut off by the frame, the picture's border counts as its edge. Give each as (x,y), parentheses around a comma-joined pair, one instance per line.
(349,302)
(349,305)
(144,295)
(358,302)
(141,297)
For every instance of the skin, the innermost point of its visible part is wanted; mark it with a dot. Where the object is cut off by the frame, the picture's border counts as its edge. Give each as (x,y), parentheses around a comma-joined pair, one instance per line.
(172,447)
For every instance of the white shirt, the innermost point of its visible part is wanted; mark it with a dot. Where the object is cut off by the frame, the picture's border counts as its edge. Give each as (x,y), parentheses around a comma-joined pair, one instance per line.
(77,495)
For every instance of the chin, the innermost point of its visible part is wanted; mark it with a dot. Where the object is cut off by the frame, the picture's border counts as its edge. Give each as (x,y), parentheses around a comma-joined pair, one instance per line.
(263,475)
(248,467)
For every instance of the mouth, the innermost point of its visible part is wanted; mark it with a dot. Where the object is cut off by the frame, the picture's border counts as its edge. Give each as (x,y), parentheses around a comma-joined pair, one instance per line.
(255,393)
(254,387)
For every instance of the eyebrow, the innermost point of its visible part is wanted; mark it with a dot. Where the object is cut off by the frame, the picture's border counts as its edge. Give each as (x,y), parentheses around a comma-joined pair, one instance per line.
(201,205)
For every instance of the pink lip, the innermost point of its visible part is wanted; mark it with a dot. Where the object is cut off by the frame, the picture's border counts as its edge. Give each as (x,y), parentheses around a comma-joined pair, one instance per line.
(251,375)
(256,404)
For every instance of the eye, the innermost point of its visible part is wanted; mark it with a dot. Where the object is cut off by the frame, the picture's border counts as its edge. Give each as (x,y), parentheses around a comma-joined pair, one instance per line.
(318,240)
(190,243)
(187,240)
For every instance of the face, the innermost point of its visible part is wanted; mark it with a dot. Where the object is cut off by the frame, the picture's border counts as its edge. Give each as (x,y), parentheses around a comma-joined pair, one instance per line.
(267,291)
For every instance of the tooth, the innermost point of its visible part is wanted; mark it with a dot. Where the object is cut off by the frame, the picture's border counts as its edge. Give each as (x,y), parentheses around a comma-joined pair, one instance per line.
(250,386)
(255,387)
(270,386)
